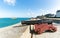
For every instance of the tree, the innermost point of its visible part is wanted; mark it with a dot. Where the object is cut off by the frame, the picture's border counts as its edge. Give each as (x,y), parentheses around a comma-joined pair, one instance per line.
(40,16)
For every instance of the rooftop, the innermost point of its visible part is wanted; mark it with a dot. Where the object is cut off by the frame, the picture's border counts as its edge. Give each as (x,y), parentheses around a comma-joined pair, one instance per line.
(58,10)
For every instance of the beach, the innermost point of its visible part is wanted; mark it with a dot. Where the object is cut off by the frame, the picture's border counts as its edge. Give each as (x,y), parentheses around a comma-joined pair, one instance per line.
(19,31)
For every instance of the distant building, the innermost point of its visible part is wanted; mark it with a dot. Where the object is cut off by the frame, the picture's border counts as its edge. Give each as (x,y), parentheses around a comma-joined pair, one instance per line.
(58,13)
(49,15)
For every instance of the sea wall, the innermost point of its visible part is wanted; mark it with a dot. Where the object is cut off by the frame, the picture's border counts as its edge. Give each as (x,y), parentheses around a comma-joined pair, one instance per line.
(14,31)
(26,34)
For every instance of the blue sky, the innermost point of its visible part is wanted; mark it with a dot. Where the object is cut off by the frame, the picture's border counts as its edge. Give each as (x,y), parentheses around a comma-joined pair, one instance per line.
(28,8)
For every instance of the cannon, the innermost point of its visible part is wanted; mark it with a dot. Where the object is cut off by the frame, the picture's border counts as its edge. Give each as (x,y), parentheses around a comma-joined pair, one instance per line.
(32,22)
(40,26)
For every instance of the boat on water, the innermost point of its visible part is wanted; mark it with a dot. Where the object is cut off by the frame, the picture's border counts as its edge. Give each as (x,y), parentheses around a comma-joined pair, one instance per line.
(14,18)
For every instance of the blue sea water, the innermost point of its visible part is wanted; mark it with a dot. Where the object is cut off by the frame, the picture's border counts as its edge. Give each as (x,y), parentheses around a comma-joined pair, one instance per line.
(4,22)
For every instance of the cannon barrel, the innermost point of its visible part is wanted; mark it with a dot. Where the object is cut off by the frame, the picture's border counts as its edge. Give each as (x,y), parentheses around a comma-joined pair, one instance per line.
(29,22)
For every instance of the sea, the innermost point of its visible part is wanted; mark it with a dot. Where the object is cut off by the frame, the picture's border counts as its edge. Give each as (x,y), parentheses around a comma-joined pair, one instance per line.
(4,22)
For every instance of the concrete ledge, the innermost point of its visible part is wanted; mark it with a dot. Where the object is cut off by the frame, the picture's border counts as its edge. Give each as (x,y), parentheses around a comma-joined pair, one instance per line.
(26,34)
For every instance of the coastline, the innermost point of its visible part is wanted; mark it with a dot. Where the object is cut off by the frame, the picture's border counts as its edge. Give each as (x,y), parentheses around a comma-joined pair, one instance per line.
(11,26)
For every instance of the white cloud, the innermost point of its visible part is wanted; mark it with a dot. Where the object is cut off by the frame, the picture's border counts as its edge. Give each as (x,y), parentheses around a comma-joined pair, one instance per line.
(10,2)
(35,13)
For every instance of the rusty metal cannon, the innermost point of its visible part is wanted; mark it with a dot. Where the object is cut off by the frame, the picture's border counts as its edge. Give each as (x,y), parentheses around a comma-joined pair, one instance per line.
(41,26)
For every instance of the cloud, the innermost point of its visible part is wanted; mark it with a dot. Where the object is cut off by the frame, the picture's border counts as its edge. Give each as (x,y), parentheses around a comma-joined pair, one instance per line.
(39,12)
(10,2)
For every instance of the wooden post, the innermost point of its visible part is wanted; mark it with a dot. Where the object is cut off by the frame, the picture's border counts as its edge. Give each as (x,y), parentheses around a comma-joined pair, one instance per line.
(31,32)
(31,35)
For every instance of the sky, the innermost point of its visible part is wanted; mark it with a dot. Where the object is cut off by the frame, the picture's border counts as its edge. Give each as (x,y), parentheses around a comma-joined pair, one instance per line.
(28,8)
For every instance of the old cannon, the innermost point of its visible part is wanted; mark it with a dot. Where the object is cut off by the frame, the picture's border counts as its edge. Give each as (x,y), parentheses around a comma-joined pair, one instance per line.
(40,26)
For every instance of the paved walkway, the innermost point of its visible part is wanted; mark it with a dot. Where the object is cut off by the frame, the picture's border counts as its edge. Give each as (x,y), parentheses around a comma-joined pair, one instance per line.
(13,32)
